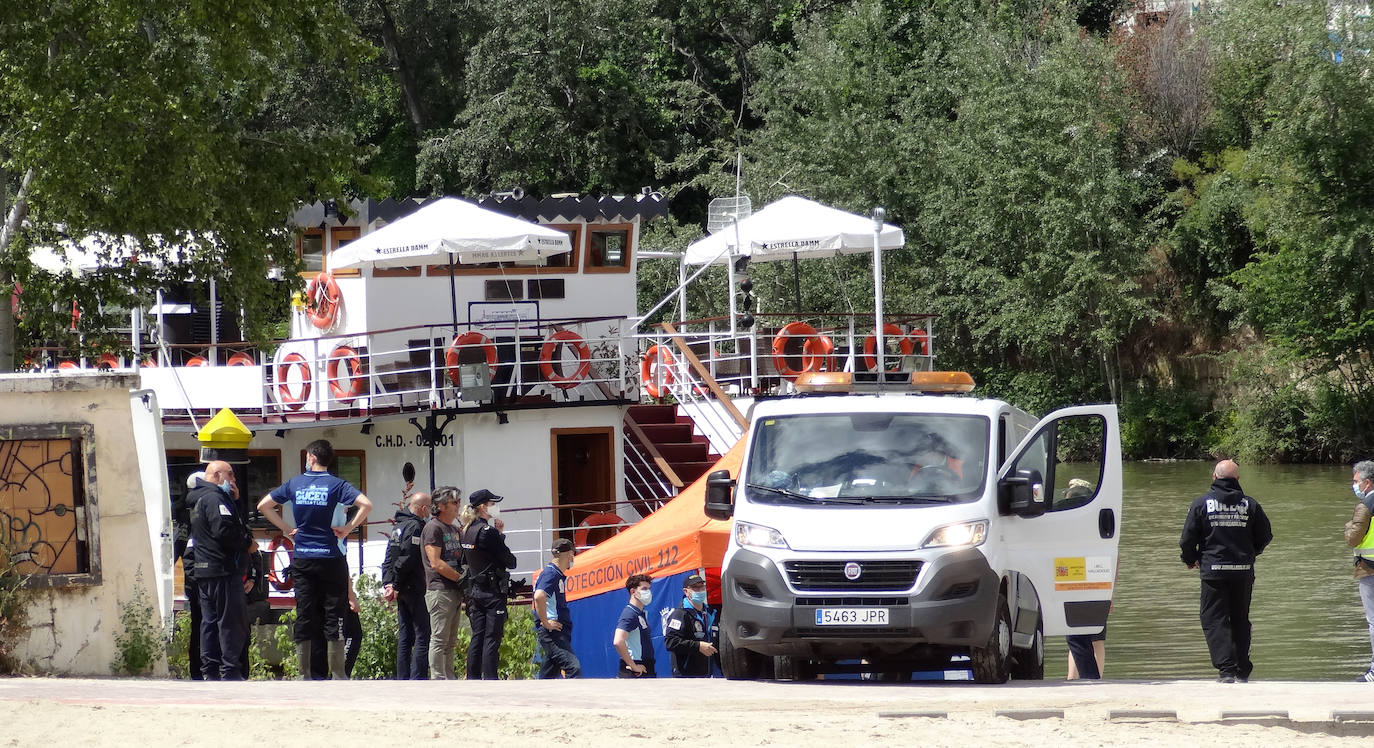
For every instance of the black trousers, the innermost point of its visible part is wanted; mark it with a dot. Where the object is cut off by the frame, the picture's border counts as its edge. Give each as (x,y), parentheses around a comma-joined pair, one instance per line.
(1225,614)
(193,641)
(321,586)
(224,627)
(412,637)
(487,614)
(353,645)
(623,672)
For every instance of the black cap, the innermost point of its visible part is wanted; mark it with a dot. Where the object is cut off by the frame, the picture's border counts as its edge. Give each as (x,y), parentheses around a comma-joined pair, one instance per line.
(694,579)
(482,496)
(562,545)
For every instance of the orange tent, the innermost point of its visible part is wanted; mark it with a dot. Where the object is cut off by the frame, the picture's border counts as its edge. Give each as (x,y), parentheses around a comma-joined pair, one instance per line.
(675,539)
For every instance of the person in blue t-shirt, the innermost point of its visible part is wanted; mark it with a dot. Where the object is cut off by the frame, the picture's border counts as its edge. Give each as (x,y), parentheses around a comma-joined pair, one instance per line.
(632,639)
(553,621)
(318,567)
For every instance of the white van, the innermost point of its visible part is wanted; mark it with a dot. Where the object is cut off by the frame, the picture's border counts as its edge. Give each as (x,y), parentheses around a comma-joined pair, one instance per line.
(894,532)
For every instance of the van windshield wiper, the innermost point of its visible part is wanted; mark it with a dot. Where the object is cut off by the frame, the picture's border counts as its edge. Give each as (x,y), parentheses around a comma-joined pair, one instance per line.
(798,498)
(904,499)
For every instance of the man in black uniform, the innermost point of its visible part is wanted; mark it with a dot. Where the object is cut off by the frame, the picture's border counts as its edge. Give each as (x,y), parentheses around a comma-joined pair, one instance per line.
(403,581)
(690,632)
(1225,531)
(185,550)
(222,544)
(489,561)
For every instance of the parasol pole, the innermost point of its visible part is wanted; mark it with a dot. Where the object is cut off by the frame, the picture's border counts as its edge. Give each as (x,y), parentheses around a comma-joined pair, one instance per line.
(878,215)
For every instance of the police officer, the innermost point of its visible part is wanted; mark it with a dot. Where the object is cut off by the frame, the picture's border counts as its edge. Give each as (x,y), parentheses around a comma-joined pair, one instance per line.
(403,582)
(222,542)
(489,562)
(1224,531)
(185,549)
(553,620)
(690,632)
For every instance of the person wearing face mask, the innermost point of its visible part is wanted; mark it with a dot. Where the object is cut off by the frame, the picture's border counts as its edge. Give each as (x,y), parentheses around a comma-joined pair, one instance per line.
(553,620)
(403,582)
(1223,534)
(489,562)
(1360,536)
(690,632)
(222,540)
(632,640)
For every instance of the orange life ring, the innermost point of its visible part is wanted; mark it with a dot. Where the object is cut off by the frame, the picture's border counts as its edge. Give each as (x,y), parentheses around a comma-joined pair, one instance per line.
(149,363)
(657,356)
(550,349)
(352,383)
(106,361)
(468,339)
(815,348)
(68,364)
(871,346)
(242,359)
(278,578)
(920,340)
(285,396)
(322,301)
(196,361)
(599,522)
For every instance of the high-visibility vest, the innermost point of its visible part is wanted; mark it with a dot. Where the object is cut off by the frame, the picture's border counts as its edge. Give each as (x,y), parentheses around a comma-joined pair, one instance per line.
(1366,547)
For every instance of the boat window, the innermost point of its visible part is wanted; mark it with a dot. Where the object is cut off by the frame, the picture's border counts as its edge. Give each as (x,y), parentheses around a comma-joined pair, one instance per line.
(503,290)
(875,458)
(311,249)
(608,248)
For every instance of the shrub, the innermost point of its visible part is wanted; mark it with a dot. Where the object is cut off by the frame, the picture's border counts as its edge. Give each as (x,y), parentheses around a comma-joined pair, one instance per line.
(141,644)
(14,602)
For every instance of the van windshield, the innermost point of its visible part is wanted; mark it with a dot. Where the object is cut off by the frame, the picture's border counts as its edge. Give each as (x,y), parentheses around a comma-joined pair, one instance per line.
(877,458)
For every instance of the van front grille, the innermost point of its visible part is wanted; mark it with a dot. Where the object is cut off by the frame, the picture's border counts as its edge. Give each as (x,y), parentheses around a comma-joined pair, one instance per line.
(873,576)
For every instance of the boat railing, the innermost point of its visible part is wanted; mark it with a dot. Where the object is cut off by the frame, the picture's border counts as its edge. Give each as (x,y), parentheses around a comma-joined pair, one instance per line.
(411,368)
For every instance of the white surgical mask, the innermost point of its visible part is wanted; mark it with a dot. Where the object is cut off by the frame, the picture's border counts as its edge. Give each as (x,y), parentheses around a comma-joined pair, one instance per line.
(645,596)
(494,510)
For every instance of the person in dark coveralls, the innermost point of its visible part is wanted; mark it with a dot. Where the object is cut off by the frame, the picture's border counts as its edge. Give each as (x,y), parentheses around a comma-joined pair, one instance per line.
(222,542)
(1224,532)
(403,582)
(489,562)
(632,639)
(319,567)
(691,632)
(552,618)
(185,550)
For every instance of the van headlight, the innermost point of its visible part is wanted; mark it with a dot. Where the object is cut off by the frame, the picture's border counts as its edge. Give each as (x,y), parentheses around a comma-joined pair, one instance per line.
(747,533)
(963,533)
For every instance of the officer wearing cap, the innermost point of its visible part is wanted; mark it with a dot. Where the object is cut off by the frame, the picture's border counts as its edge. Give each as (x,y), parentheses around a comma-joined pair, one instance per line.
(553,620)
(489,562)
(690,632)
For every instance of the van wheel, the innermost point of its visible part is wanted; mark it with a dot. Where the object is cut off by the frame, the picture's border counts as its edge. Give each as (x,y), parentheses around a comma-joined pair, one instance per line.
(740,664)
(991,663)
(787,667)
(1029,664)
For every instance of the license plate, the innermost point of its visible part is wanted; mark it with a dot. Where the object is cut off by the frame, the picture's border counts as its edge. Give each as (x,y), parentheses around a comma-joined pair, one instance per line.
(851,616)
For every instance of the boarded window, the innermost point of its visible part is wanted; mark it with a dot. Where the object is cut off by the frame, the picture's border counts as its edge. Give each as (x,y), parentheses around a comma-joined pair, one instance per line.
(44,503)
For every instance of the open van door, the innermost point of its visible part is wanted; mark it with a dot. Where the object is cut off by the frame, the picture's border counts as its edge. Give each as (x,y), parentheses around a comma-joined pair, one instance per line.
(1060,506)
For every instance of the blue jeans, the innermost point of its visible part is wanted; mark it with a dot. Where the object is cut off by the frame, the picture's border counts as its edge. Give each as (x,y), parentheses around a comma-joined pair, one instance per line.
(412,638)
(1367,598)
(558,654)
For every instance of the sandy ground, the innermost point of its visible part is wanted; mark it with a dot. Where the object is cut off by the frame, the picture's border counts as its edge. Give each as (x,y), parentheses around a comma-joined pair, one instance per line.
(147,713)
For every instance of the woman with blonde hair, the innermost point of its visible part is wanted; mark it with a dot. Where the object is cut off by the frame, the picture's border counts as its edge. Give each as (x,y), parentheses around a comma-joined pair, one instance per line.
(489,562)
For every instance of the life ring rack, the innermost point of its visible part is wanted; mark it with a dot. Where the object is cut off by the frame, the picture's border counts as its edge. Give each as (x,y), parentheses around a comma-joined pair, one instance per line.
(816,349)
(291,399)
(352,382)
(323,301)
(465,340)
(890,330)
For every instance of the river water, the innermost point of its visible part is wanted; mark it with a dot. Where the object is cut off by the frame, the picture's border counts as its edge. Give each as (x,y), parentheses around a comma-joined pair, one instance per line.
(1308,623)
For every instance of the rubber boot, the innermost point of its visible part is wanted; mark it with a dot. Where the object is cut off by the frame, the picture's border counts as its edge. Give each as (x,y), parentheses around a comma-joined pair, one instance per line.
(303,658)
(336,650)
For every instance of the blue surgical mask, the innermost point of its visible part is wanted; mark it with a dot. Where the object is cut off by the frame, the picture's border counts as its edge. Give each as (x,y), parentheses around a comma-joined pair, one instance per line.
(699,597)
(1356,488)
(226,489)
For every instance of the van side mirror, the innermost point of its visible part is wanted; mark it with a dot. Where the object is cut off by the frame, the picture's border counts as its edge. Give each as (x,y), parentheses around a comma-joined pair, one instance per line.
(1023,494)
(720,500)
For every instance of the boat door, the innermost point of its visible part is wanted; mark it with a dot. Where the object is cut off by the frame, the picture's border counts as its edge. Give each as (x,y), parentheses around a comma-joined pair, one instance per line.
(1066,541)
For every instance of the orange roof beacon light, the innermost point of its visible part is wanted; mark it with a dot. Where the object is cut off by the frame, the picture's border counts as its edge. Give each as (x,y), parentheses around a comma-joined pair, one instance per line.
(941,382)
(824,381)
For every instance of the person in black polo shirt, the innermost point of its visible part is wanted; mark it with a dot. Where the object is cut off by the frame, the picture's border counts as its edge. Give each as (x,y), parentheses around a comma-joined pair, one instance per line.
(632,639)
(403,582)
(690,632)
(553,621)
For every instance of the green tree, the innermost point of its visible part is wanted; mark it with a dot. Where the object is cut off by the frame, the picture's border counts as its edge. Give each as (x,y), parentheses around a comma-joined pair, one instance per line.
(165,123)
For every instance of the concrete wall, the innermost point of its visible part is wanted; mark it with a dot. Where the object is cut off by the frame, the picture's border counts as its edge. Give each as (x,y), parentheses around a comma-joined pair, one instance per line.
(74,619)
